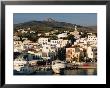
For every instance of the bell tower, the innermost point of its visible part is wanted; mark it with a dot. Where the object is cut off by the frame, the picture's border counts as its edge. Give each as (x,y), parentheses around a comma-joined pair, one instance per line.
(75,28)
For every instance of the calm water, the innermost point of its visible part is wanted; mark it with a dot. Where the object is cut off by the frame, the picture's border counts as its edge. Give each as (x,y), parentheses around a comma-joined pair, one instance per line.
(69,72)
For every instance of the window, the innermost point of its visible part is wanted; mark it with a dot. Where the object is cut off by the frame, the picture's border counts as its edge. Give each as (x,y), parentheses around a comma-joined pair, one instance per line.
(77,55)
(95,53)
(68,50)
(68,56)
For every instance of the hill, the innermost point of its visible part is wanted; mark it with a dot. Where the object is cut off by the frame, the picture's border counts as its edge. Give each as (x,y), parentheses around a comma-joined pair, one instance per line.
(49,25)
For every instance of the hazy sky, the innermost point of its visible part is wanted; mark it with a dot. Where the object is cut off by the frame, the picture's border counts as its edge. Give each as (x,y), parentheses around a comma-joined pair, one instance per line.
(84,19)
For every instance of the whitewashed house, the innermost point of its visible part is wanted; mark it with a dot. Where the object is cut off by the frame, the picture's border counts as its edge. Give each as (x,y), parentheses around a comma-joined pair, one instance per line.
(92,52)
(92,39)
(43,41)
(63,35)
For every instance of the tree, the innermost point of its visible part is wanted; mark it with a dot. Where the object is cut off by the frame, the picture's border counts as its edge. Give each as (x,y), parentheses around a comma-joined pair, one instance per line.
(84,35)
(71,37)
(61,54)
(53,37)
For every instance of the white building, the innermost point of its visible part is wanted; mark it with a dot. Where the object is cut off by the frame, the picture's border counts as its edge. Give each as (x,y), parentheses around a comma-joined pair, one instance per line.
(75,33)
(39,34)
(82,42)
(59,42)
(92,39)
(18,63)
(16,38)
(47,34)
(23,31)
(63,35)
(35,53)
(56,42)
(18,46)
(27,41)
(43,41)
(32,32)
(48,51)
(92,52)
(46,48)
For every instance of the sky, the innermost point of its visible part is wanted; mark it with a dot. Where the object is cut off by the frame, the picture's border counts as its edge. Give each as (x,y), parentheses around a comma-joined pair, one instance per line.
(84,19)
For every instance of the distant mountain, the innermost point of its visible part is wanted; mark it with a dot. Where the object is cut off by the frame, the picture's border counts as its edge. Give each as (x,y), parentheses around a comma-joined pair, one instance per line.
(49,23)
(44,23)
(93,27)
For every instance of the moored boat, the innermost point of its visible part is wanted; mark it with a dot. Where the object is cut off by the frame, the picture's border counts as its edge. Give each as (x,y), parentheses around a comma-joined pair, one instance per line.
(58,66)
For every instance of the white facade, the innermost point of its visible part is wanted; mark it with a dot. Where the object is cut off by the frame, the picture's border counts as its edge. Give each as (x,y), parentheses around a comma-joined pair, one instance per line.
(36,53)
(23,31)
(55,42)
(16,38)
(92,39)
(63,35)
(46,48)
(39,34)
(43,41)
(92,52)
(59,42)
(47,34)
(18,63)
(26,41)
(82,42)
(18,46)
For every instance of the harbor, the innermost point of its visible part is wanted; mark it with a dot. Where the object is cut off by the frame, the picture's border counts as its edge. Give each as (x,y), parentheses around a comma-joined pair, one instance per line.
(70,69)
(55,48)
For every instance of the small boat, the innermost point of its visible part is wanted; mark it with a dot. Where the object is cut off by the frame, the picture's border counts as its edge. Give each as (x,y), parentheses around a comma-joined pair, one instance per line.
(27,70)
(21,66)
(58,66)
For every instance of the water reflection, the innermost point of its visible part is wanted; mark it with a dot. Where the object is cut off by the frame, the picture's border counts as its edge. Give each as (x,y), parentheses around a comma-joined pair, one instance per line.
(68,72)
(81,72)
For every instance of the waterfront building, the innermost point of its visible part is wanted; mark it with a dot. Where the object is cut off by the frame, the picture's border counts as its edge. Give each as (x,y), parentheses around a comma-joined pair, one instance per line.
(73,54)
(92,52)
(19,62)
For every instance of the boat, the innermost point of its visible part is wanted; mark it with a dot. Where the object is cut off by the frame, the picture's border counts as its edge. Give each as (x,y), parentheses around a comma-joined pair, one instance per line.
(19,62)
(27,70)
(21,66)
(58,66)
